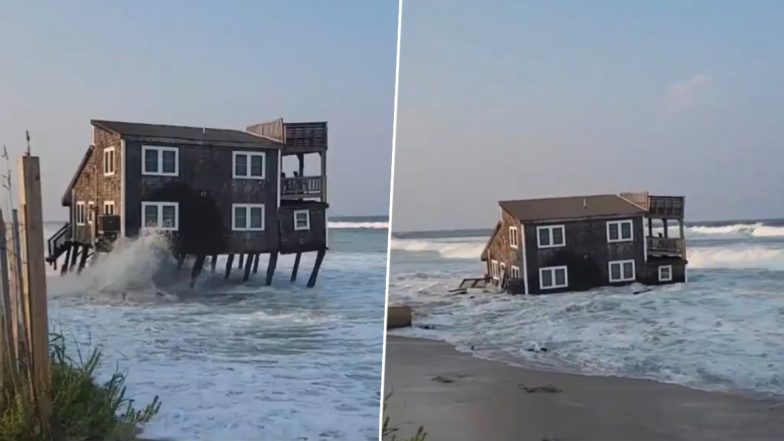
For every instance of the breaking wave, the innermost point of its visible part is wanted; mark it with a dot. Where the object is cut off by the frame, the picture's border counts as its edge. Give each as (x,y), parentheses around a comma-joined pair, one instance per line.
(757,229)
(761,257)
(359,225)
(465,248)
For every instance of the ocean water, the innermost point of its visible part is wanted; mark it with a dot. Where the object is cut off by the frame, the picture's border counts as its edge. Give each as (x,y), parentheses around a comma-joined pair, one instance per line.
(233,360)
(723,330)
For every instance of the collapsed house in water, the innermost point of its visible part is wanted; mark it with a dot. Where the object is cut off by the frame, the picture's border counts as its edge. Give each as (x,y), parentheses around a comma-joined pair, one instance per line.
(211,191)
(575,243)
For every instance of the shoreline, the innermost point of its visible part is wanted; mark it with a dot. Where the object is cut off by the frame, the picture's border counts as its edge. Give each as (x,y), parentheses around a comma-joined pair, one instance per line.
(457,396)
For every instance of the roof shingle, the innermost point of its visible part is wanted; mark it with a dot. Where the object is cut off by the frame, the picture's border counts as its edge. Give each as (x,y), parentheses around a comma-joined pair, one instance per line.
(185,133)
(570,207)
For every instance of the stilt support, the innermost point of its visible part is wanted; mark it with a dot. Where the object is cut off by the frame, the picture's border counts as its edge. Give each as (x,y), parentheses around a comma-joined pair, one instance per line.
(83,260)
(197,267)
(64,268)
(248,266)
(273,261)
(180,261)
(256,263)
(241,262)
(296,267)
(74,255)
(316,266)
(213,262)
(229,262)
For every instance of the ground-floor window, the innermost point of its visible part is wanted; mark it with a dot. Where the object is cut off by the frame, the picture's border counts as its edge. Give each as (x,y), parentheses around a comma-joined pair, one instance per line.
(494,269)
(247,217)
(90,212)
(108,207)
(622,271)
(301,220)
(160,215)
(553,277)
(665,273)
(515,272)
(80,214)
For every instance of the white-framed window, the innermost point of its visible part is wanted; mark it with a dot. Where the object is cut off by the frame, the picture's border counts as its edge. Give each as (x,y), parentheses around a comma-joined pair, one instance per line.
(551,236)
(160,161)
(514,238)
(301,220)
(552,277)
(108,207)
(248,165)
(622,271)
(161,215)
(494,269)
(90,212)
(247,217)
(502,267)
(81,216)
(108,161)
(665,273)
(515,274)
(620,231)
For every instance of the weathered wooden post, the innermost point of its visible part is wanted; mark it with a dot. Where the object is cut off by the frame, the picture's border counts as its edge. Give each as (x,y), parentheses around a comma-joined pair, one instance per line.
(10,323)
(34,284)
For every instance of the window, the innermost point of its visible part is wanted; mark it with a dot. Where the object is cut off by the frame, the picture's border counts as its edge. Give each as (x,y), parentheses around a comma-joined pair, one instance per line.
(665,273)
(551,236)
(301,220)
(108,161)
(90,212)
(160,161)
(515,272)
(80,213)
(248,165)
(108,207)
(160,215)
(513,237)
(622,271)
(502,274)
(619,231)
(247,217)
(494,269)
(553,277)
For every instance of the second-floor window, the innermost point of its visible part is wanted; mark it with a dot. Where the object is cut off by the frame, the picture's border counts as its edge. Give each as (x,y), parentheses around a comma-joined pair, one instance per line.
(551,236)
(247,217)
(160,215)
(619,231)
(249,165)
(108,207)
(108,161)
(160,161)
(514,241)
(301,220)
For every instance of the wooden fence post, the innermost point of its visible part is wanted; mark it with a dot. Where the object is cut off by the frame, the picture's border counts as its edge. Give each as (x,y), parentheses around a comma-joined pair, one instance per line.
(10,314)
(34,284)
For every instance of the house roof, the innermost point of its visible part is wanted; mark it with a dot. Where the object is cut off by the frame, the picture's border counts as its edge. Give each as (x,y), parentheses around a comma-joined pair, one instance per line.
(202,134)
(66,200)
(570,207)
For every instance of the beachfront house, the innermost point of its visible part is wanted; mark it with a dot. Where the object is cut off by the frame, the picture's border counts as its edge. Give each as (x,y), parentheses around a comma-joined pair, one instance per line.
(211,191)
(561,244)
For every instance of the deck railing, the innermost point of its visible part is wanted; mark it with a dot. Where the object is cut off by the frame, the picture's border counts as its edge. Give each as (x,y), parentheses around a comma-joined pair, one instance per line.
(666,245)
(301,186)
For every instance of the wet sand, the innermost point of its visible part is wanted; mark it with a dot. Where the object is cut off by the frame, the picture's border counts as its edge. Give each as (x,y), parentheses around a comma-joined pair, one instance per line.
(458,397)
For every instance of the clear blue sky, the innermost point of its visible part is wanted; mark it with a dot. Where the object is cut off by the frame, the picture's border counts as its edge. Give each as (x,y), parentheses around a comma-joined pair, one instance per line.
(520,99)
(205,63)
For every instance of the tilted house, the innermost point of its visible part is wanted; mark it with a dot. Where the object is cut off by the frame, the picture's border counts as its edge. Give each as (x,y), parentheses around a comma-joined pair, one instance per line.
(575,243)
(212,191)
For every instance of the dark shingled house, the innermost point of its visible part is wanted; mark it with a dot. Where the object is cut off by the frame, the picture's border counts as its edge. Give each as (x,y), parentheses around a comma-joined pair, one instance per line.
(212,191)
(575,243)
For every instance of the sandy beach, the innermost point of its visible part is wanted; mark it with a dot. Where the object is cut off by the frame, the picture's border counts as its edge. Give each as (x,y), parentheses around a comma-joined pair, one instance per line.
(459,397)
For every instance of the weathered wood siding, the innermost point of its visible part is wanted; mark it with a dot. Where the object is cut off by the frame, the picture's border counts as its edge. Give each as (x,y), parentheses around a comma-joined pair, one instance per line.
(586,253)
(205,190)
(93,185)
(313,239)
(500,248)
(650,273)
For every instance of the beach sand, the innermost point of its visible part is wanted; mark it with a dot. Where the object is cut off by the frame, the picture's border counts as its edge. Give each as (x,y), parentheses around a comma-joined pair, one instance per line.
(458,397)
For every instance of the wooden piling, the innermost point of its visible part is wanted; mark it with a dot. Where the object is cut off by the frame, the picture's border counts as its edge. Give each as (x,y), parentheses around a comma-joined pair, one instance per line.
(180,261)
(316,266)
(197,267)
(256,263)
(10,325)
(296,267)
(248,266)
(74,255)
(64,268)
(83,260)
(34,284)
(229,262)
(273,261)
(241,262)
(213,262)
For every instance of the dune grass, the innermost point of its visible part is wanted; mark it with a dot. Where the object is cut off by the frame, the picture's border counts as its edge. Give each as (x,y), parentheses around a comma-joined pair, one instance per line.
(82,408)
(390,432)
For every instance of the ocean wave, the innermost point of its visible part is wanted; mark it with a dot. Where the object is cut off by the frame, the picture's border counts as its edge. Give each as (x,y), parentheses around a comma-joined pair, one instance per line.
(757,229)
(735,257)
(359,225)
(466,248)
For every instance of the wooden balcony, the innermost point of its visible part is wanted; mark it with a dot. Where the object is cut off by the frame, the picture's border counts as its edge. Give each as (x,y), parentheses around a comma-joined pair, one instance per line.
(666,207)
(666,246)
(301,187)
